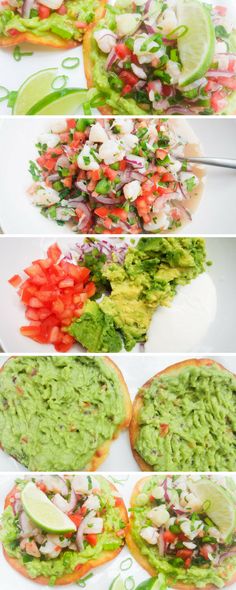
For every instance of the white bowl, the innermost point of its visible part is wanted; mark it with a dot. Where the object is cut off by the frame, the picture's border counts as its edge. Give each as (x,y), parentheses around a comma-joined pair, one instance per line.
(218,322)
(216,212)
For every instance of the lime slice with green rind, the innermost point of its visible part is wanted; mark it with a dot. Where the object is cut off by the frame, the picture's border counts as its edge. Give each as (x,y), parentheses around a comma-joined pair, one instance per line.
(217,504)
(158,583)
(39,84)
(43,512)
(117,584)
(197,46)
(61,102)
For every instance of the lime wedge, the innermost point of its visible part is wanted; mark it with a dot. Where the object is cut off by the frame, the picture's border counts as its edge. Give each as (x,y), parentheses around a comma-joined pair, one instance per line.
(158,583)
(38,84)
(217,504)
(196,47)
(43,512)
(117,584)
(60,102)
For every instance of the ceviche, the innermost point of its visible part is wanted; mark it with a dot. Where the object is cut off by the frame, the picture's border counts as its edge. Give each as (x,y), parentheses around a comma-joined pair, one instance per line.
(164,56)
(116,176)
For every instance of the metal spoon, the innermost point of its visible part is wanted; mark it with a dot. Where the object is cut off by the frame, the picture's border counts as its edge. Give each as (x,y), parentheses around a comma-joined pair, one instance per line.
(221,162)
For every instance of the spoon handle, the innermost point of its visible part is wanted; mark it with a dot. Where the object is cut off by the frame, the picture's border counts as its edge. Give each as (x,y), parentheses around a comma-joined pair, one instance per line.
(221,162)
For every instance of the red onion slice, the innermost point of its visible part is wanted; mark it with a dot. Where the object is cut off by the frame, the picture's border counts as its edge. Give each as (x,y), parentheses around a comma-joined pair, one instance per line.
(179,110)
(107,200)
(26,8)
(85,217)
(165,487)
(161,544)
(62,162)
(80,532)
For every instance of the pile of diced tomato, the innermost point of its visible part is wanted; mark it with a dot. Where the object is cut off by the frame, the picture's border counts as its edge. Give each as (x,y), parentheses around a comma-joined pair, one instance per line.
(54,293)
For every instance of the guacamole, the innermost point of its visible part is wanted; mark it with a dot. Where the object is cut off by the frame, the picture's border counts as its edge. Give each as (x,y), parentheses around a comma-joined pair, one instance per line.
(68,560)
(147,279)
(198,570)
(56,412)
(63,26)
(187,421)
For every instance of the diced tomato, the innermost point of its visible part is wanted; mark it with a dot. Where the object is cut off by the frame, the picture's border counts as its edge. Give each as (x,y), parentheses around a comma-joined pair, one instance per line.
(220,10)
(54,252)
(101,212)
(227,82)
(218,101)
(62,10)
(128,78)
(109,173)
(13,32)
(164,429)
(41,486)
(119,212)
(118,502)
(81,25)
(187,563)
(90,289)
(169,537)
(76,518)
(71,123)
(206,550)
(168,177)
(122,165)
(126,90)
(43,11)
(122,50)
(92,539)
(15,281)
(166,90)
(184,553)
(48,294)
(120,533)
(95,175)
(161,154)
(67,182)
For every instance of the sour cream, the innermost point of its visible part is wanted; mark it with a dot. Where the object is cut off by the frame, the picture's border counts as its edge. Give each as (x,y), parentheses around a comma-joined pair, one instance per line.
(183,326)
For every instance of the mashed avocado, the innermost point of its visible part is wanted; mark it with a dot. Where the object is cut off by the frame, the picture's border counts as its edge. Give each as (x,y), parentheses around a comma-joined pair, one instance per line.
(68,560)
(149,277)
(198,576)
(63,26)
(56,412)
(198,405)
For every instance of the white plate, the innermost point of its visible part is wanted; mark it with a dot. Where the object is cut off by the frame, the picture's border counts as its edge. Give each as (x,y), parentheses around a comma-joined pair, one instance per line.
(216,212)
(208,302)
(13,73)
(136,374)
(102,576)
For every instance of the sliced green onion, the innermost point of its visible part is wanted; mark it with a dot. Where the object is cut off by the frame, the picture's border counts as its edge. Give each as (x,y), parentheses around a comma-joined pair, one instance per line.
(181,30)
(56,85)
(82,583)
(4,93)
(18,54)
(126,564)
(130,583)
(87,108)
(69,63)
(98,100)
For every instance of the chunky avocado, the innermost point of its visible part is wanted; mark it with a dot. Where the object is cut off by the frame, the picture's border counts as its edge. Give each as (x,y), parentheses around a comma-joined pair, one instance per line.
(56,412)
(95,330)
(197,407)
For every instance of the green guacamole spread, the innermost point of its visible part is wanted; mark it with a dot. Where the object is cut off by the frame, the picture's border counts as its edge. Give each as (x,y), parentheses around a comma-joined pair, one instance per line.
(56,412)
(148,278)
(63,26)
(198,575)
(199,406)
(68,560)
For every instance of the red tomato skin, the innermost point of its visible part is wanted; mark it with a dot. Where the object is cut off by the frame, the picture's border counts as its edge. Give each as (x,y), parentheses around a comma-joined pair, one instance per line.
(43,11)
(92,539)
(15,281)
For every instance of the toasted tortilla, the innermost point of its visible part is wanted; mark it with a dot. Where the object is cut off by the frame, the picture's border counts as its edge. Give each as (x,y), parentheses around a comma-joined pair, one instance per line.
(138,401)
(134,549)
(83,569)
(50,39)
(103,451)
